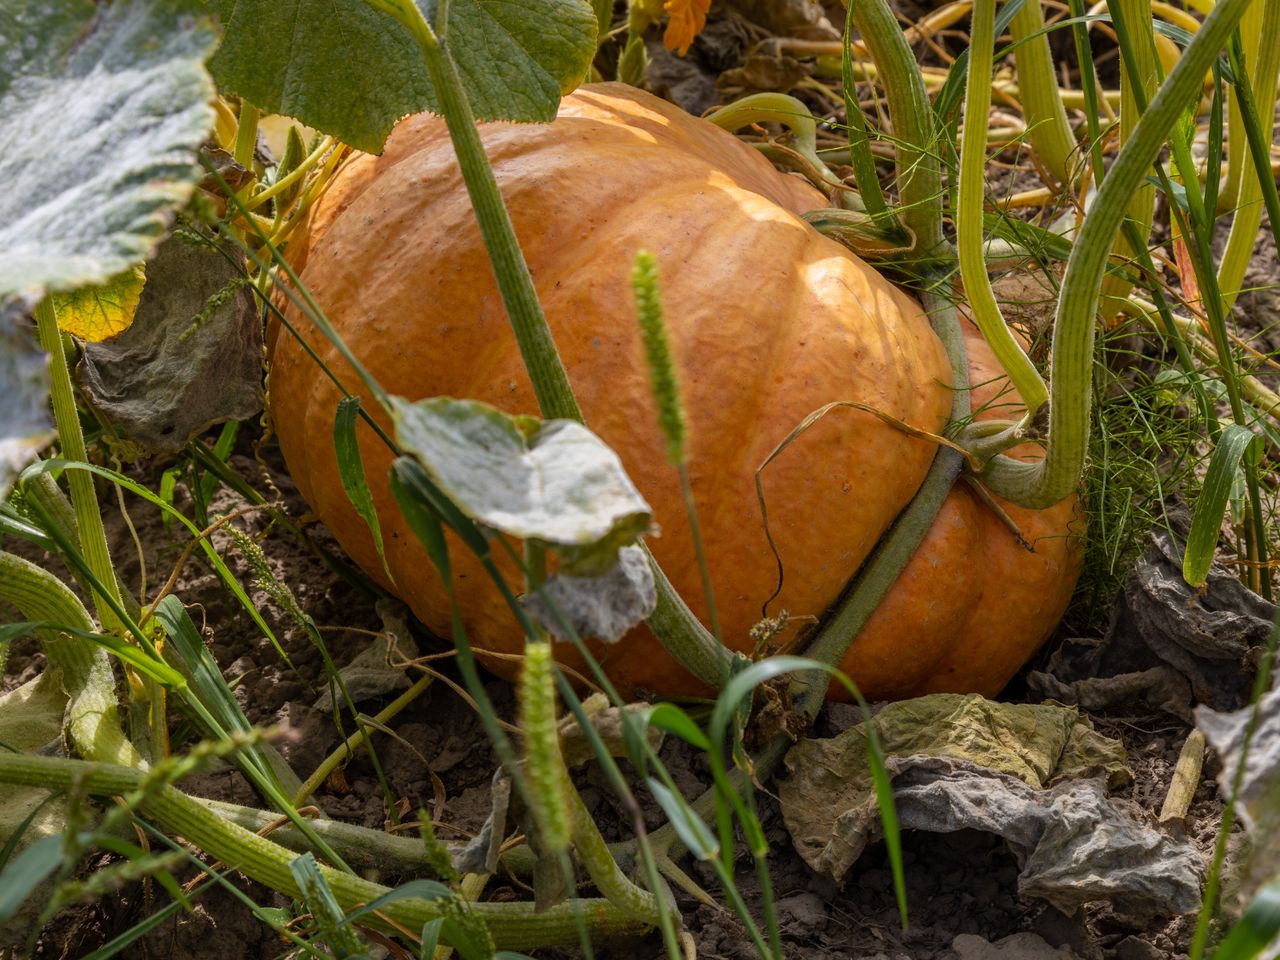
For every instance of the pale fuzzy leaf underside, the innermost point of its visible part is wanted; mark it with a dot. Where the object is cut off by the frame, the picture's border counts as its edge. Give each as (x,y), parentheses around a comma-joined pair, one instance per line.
(101,110)
(555,483)
(604,607)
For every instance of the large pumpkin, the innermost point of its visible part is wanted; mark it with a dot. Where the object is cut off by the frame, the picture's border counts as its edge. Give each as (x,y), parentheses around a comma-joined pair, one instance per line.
(768,321)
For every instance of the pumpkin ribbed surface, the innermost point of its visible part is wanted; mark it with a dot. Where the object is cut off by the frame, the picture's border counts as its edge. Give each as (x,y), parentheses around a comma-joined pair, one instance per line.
(768,321)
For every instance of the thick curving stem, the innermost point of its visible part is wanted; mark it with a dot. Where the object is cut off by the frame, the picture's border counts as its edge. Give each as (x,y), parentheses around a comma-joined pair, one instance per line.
(914,129)
(1248,215)
(93,720)
(971,193)
(1052,479)
(93,536)
(791,113)
(514,926)
(1046,117)
(891,555)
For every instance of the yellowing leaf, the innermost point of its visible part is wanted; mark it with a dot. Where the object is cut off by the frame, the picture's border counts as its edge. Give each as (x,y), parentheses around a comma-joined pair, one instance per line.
(99,313)
(685,20)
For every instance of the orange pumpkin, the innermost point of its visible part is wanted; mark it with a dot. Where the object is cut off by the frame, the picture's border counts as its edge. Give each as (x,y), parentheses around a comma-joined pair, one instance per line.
(768,321)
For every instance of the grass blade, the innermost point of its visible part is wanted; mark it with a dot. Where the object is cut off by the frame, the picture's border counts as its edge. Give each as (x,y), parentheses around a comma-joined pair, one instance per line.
(351,472)
(1202,541)
(26,872)
(1256,928)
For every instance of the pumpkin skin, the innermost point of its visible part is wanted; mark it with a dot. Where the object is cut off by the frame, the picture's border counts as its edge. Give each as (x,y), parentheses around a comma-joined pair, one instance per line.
(768,320)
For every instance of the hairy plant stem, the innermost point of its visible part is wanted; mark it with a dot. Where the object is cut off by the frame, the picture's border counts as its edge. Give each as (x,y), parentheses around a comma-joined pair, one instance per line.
(915,133)
(1042,107)
(860,156)
(93,537)
(786,110)
(1050,480)
(594,852)
(204,718)
(891,555)
(513,925)
(44,489)
(92,721)
(971,192)
(1132,20)
(246,134)
(673,623)
(1243,238)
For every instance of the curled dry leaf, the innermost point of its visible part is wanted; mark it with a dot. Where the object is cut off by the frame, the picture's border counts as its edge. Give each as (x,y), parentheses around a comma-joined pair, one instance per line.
(1035,775)
(379,667)
(192,356)
(1168,644)
(685,20)
(1259,800)
(607,721)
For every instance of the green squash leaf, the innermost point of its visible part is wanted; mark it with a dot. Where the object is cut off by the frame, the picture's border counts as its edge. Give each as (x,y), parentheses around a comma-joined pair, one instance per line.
(350,70)
(101,110)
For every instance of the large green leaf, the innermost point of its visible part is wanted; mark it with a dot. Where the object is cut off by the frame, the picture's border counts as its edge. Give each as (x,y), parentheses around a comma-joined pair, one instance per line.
(555,482)
(101,110)
(348,69)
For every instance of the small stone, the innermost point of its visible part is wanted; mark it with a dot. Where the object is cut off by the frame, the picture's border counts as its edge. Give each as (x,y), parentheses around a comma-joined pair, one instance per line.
(804,909)
(1019,946)
(1132,948)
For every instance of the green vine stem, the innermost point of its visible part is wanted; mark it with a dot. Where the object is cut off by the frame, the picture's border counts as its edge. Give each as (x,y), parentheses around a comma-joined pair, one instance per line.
(1248,215)
(891,555)
(1231,195)
(1055,477)
(784,109)
(363,849)
(556,806)
(971,191)
(632,901)
(859,134)
(673,622)
(128,626)
(45,490)
(1046,117)
(911,112)
(247,134)
(1135,91)
(93,537)
(514,926)
(93,721)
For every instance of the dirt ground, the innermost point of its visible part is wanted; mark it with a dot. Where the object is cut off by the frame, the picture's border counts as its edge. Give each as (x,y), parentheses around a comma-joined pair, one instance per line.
(961,888)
